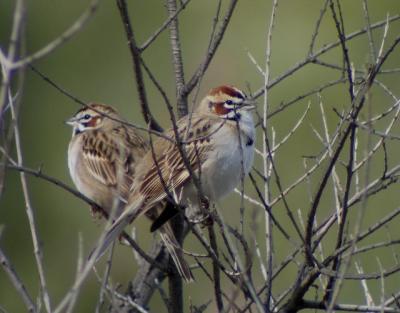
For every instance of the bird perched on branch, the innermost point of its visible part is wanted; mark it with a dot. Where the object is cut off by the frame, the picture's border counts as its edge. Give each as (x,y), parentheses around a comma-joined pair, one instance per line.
(212,153)
(103,155)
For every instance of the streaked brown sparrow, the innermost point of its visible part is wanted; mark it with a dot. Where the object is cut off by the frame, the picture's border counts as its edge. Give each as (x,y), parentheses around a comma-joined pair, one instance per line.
(218,141)
(103,155)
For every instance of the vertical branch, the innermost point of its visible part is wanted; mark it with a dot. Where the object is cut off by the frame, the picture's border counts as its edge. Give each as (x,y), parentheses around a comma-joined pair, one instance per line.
(29,211)
(317,26)
(16,42)
(105,279)
(216,270)
(79,263)
(350,131)
(203,67)
(342,38)
(175,281)
(372,49)
(18,21)
(135,53)
(175,284)
(182,105)
(352,142)
(268,221)
(7,74)
(335,177)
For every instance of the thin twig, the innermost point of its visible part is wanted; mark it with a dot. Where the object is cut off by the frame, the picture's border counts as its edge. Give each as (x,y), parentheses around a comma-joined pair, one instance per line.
(212,49)
(266,159)
(39,173)
(135,54)
(151,39)
(30,213)
(105,279)
(325,49)
(181,97)
(317,27)
(56,86)
(372,49)
(74,29)
(17,282)
(348,307)
(7,75)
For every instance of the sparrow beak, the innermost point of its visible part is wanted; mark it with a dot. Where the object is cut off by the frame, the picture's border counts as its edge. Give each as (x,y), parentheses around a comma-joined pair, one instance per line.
(71,121)
(248,105)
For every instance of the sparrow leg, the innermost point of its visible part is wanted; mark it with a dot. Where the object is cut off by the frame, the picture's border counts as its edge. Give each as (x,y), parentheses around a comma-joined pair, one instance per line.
(203,216)
(205,204)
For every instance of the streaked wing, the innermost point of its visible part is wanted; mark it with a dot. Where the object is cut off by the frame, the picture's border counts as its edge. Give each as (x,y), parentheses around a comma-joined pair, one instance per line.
(169,164)
(100,160)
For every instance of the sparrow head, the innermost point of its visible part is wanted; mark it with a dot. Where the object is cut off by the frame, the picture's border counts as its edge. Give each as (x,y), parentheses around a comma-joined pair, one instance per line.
(92,116)
(227,102)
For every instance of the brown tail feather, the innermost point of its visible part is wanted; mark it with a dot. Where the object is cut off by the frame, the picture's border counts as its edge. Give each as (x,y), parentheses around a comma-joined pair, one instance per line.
(175,251)
(131,212)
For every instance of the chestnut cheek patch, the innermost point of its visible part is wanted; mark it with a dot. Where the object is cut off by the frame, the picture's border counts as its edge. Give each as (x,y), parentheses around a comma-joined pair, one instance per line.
(94,121)
(220,109)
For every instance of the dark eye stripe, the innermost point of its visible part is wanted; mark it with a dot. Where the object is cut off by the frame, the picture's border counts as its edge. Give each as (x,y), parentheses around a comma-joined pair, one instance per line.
(91,122)
(239,95)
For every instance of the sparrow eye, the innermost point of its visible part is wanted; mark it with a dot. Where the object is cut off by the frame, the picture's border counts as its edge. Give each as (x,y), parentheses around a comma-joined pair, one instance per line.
(230,102)
(86,116)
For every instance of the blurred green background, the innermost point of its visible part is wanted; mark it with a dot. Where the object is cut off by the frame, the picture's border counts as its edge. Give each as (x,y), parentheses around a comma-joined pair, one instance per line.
(95,65)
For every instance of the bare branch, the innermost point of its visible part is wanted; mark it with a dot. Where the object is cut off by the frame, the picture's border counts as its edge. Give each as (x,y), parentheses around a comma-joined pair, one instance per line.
(171,18)
(326,48)
(17,282)
(268,162)
(182,105)
(37,249)
(372,49)
(38,173)
(75,28)
(136,60)
(212,48)
(348,307)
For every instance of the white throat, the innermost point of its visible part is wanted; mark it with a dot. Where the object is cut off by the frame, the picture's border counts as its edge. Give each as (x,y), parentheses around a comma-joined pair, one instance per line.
(246,124)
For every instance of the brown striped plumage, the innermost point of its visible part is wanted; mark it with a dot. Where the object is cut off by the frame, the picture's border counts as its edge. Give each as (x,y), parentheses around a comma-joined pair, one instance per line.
(218,145)
(103,156)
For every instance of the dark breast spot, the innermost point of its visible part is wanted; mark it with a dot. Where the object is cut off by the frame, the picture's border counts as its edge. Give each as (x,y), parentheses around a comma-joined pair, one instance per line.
(130,159)
(249,142)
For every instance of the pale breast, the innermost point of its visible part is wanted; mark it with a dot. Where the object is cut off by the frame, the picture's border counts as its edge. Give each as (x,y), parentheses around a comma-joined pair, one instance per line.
(229,161)
(74,151)
(82,179)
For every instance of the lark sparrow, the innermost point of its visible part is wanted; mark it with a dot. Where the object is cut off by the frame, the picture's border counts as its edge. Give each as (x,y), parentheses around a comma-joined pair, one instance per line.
(102,158)
(218,140)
